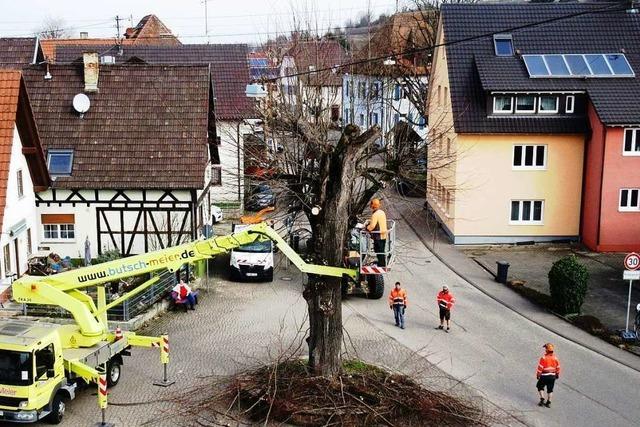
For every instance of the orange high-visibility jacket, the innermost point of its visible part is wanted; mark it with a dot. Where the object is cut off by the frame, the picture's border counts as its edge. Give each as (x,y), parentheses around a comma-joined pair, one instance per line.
(398,297)
(445,300)
(548,365)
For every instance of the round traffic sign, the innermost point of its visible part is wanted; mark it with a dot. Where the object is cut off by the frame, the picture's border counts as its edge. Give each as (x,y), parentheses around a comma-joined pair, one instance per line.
(632,261)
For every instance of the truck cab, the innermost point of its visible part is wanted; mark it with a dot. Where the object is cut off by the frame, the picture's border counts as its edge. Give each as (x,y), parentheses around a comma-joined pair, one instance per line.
(33,384)
(253,261)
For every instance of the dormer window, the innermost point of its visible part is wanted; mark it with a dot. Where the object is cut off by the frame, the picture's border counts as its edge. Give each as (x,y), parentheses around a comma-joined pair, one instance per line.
(503,44)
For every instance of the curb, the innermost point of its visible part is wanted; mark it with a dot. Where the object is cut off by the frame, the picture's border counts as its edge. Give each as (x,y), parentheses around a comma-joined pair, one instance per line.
(509,306)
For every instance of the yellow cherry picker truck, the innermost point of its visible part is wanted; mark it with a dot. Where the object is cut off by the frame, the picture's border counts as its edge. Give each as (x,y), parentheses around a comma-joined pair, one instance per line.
(42,364)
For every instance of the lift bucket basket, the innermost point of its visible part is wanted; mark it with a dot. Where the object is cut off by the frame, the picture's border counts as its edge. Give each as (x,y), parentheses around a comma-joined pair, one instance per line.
(375,259)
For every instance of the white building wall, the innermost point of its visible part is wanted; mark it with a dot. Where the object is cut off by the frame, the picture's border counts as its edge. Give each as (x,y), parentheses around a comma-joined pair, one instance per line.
(19,215)
(386,109)
(86,226)
(230,195)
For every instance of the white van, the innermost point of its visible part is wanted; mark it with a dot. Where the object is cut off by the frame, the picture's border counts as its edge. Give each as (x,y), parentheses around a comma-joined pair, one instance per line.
(253,261)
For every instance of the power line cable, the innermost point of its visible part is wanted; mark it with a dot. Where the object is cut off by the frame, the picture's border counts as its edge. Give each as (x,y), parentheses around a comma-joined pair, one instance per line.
(615,7)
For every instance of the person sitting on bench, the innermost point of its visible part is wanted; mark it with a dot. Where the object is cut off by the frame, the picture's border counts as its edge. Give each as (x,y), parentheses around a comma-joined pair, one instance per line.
(183,292)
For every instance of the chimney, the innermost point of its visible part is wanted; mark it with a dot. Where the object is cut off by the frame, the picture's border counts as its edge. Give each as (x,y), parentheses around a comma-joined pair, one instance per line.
(84,35)
(91,69)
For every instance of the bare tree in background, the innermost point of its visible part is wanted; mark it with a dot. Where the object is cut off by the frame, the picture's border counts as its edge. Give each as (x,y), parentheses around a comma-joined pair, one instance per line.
(53,28)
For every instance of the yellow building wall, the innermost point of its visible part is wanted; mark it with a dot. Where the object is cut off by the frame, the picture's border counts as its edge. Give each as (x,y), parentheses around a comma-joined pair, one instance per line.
(442,146)
(486,183)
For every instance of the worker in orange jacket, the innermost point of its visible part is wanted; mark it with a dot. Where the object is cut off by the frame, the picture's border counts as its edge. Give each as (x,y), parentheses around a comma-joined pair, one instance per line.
(547,373)
(445,301)
(398,303)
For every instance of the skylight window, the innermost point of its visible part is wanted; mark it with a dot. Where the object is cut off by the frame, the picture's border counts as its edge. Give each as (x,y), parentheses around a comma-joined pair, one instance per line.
(578,65)
(503,44)
(60,162)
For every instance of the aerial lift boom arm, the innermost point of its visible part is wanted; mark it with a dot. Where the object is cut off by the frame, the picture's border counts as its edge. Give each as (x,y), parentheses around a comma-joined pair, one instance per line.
(64,289)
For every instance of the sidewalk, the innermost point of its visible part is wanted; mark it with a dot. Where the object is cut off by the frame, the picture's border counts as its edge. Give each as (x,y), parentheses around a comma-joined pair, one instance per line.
(416,218)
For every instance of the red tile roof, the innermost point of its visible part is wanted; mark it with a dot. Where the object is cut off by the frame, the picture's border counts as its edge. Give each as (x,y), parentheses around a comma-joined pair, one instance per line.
(320,54)
(9,91)
(228,62)
(147,127)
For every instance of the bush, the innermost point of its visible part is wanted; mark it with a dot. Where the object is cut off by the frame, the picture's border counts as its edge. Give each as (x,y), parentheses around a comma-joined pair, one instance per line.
(568,284)
(110,255)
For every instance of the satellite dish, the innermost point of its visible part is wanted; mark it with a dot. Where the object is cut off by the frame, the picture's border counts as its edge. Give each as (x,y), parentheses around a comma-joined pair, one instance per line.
(81,103)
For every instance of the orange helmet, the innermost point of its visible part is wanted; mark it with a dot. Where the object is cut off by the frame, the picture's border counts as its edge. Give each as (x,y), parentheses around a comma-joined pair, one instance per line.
(548,347)
(375,203)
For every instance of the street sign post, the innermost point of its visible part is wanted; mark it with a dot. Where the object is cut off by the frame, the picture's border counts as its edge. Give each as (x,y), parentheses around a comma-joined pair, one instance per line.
(631,264)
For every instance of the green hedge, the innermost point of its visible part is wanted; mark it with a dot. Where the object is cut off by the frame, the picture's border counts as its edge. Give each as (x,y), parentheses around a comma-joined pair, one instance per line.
(568,284)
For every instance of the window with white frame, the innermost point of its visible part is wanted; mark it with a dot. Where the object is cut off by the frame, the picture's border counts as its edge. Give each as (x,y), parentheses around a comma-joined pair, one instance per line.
(548,104)
(59,231)
(361,119)
(629,199)
(502,104)
(529,156)
(631,145)
(526,212)
(570,104)
(374,118)
(525,104)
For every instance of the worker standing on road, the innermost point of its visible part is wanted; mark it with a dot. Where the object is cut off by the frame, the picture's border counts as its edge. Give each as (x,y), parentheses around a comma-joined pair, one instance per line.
(398,303)
(547,373)
(377,226)
(445,301)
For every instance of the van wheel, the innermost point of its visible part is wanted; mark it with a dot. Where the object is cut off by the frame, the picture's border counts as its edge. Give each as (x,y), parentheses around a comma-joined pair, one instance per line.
(114,372)
(269,277)
(57,410)
(376,286)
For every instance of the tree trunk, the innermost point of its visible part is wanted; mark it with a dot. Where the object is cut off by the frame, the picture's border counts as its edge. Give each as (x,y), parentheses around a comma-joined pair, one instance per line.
(323,294)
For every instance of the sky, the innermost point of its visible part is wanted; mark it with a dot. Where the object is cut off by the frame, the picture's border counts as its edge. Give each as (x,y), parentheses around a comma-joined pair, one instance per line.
(229,21)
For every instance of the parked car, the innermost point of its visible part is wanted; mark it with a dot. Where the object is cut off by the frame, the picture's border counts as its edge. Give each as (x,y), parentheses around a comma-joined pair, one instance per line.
(259,196)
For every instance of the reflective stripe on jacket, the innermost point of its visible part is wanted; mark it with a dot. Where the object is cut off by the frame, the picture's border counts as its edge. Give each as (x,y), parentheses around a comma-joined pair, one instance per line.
(445,300)
(398,297)
(548,365)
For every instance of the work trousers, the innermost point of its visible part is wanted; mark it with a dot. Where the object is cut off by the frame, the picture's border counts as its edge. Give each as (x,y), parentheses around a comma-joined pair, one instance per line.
(398,312)
(380,248)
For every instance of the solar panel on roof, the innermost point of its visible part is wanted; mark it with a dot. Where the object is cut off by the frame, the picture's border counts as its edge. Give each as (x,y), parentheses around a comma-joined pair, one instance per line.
(535,65)
(578,65)
(258,62)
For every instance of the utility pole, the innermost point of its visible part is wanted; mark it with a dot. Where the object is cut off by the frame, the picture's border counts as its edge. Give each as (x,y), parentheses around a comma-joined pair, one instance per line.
(118,19)
(206,20)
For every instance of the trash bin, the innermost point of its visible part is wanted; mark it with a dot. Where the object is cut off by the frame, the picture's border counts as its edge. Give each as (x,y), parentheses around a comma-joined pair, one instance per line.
(503,269)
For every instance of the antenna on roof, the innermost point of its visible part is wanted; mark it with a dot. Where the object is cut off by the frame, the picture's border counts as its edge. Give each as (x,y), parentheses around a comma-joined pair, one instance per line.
(81,104)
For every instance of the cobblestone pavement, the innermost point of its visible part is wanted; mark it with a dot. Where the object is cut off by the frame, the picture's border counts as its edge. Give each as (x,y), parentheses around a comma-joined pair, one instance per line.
(235,325)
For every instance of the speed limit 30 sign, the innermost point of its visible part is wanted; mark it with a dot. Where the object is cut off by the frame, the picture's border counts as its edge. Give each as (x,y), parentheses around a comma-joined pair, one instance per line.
(632,261)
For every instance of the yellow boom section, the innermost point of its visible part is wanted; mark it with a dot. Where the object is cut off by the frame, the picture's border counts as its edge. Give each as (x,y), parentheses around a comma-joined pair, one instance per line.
(64,289)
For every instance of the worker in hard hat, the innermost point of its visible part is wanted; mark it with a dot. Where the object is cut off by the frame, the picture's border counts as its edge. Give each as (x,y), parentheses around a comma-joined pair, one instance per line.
(445,301)
(377,226)
(547,373)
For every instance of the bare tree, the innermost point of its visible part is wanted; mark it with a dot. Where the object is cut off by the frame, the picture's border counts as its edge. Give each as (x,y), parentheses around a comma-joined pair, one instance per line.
(53,28)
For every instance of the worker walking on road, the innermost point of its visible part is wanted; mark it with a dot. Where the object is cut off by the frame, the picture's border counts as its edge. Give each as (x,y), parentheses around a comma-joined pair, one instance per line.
(398,303)
(377,226)
(547,373)
(445,301)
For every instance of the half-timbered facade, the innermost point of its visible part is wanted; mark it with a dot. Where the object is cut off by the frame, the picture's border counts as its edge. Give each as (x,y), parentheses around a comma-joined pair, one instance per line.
(132,172)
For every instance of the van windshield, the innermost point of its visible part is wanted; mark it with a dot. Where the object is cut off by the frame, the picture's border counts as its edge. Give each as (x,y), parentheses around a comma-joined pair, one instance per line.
(15,368)
(257,247)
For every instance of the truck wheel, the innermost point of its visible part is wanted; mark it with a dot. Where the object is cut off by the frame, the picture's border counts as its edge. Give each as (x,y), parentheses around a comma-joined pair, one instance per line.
(269,276)
(376,286)
(344,287)
(114,372)
(57,410)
